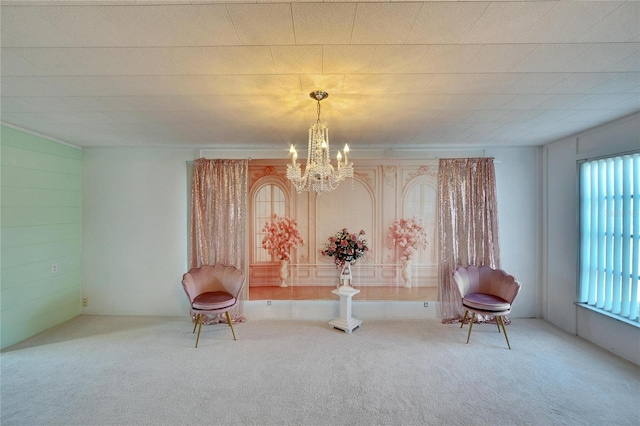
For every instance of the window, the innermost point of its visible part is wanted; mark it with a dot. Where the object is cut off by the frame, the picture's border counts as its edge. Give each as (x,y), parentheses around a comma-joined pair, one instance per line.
(610,235)
(269,200)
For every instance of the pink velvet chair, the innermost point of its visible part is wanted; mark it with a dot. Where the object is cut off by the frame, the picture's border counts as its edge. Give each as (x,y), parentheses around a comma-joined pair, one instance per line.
(213,289)
(486,291)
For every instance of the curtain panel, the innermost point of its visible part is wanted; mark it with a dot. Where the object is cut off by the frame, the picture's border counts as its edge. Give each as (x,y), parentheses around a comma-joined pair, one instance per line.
(218,217)
(467,224)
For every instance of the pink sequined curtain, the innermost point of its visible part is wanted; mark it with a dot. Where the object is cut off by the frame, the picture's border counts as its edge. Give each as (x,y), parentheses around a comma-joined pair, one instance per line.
(467,224)
(218,217)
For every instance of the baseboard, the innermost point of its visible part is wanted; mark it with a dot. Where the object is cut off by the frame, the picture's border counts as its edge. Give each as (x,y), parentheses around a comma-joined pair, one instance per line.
(328,309)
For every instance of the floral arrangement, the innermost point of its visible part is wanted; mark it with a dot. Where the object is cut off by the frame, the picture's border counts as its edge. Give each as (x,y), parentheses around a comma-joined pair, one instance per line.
(282,236)
(408,234)
(346,247)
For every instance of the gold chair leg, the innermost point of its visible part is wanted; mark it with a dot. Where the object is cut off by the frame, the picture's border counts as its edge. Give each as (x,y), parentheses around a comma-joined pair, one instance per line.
(195,324)
(505,332)
(464,318)
(231,325)
(497,323)
(201,316)
(473,318)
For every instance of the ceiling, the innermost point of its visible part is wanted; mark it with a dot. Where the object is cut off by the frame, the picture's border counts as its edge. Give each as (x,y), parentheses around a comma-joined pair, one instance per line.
(400,74)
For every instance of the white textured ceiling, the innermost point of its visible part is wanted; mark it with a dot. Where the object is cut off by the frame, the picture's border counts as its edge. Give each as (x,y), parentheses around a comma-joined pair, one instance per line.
(399,74)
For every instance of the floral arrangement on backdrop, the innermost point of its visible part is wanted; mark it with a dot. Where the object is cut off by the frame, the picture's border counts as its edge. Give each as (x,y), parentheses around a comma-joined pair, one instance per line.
(346,247)
(282,236)
(410,235)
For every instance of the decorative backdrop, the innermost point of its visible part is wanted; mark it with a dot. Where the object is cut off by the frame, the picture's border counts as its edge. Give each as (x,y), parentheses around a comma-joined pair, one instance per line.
(378,195)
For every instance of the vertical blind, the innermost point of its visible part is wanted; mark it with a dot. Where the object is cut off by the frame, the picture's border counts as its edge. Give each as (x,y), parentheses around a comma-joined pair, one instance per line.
(610,235)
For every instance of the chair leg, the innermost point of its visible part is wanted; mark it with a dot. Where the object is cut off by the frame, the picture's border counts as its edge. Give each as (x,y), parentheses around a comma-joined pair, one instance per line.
(201,316)
(464,318)
(231,325)
(195,324)
(473,318)
(505,332)
(497,323)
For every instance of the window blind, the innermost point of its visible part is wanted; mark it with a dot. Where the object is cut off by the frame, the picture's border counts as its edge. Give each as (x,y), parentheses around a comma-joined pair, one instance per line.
(610,235)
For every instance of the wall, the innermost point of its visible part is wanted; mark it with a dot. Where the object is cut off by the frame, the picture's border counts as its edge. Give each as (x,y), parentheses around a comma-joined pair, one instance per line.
(560,236)
(134,231)
(135,227)
(134,248)
(41,226)
(518,181)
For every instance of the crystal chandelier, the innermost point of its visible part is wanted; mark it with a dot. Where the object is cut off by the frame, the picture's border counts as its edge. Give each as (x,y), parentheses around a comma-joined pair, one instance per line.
(319,175)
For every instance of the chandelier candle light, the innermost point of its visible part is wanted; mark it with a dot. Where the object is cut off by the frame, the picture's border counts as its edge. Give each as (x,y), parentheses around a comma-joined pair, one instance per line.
(319,175)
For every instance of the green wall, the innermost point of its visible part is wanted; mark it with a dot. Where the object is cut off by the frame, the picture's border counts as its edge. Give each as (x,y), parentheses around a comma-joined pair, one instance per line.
(41,225)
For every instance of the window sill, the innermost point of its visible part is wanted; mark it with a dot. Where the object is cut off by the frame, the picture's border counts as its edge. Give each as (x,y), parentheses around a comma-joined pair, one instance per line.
(609,314)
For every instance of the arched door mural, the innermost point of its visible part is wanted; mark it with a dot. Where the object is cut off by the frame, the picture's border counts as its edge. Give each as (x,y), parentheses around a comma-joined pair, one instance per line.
(268,196)
(351,206)
(420,202)
(269,199)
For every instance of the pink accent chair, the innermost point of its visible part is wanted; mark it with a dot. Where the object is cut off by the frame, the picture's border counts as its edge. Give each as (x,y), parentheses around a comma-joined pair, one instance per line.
(212,289)
(486,291)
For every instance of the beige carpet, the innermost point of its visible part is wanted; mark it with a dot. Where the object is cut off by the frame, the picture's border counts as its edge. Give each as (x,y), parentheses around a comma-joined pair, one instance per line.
(97,370)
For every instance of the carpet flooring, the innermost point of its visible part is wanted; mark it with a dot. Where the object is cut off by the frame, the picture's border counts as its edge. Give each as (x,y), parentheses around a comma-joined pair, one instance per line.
(115,370)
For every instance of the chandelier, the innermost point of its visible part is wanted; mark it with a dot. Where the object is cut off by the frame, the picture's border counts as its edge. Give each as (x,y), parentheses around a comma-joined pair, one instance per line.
(319,175)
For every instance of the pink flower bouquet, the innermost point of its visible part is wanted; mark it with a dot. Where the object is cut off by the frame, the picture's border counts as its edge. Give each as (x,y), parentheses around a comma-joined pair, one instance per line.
(282,236)
(410,235)
(346,247)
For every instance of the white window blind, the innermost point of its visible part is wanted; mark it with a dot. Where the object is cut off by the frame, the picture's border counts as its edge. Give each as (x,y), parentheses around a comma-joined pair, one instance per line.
(610,235)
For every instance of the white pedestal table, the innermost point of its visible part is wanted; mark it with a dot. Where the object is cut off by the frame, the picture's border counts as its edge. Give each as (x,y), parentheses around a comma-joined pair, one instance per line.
(346,322)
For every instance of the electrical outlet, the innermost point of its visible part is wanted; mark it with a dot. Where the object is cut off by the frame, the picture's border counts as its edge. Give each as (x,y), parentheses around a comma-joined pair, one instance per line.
(426,304)
(54,268)
(85,301)
(268,302)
